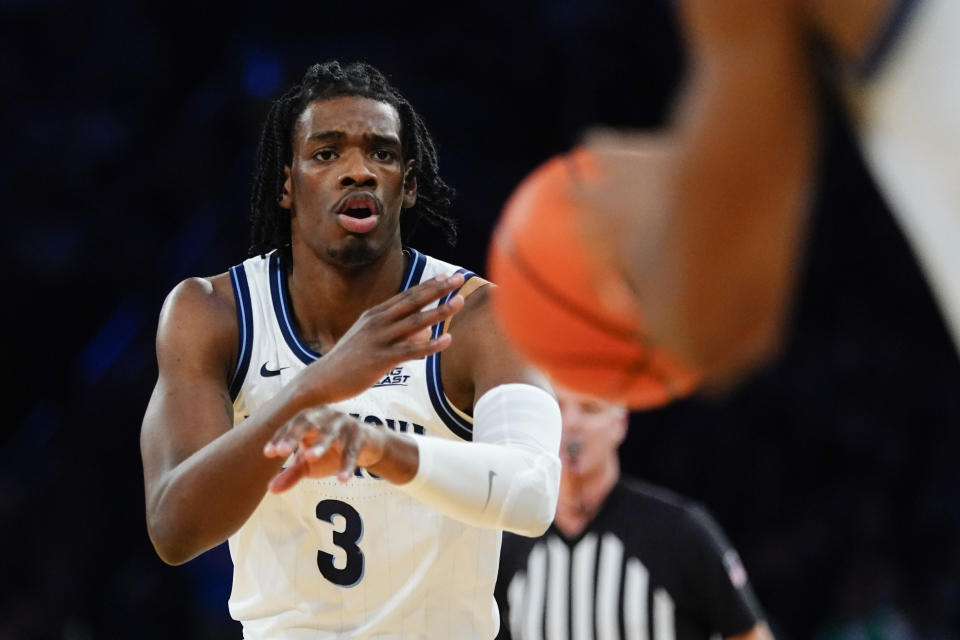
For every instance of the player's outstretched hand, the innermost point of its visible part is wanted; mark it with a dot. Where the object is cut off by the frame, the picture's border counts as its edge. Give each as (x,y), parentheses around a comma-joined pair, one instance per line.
(326,442)
(385,335)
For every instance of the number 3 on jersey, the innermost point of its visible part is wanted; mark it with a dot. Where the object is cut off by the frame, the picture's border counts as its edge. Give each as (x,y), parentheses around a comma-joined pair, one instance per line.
(352,571)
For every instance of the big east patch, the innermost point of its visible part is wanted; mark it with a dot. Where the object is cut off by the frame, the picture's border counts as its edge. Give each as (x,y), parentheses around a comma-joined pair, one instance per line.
(395,378)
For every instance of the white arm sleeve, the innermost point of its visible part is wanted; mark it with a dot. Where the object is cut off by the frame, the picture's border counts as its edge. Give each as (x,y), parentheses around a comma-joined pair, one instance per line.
(509,476)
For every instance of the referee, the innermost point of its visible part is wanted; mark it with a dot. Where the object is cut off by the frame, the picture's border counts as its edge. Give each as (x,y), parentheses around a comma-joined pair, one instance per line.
(623,559)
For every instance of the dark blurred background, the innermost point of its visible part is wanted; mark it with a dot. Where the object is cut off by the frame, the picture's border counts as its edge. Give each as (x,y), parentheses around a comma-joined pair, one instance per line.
(129,132)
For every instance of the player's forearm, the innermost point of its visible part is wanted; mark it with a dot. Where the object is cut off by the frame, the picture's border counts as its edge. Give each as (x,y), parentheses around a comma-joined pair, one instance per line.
(493,486)
(508,481)
(745,139)
(200,502)
(400,461)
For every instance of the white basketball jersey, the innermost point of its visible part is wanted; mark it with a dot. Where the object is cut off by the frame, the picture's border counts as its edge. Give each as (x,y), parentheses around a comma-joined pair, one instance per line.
(358,559)
(907,116)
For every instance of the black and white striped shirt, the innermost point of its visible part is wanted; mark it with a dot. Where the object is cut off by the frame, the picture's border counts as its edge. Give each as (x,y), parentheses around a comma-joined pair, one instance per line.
(649,566)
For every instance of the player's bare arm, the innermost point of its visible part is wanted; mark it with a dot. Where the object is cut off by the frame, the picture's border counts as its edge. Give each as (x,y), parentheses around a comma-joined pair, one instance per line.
(192,453)
(478,361)
(745,135)
(726,236)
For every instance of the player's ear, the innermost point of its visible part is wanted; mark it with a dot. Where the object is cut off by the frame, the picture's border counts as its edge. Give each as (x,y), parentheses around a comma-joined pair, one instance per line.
(286,200)
(409,186)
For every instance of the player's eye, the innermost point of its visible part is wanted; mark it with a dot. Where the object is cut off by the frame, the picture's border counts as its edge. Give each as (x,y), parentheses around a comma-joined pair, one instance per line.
(384,155)
(325,154)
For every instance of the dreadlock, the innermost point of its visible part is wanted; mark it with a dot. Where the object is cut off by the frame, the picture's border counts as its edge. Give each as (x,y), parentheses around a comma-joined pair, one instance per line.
(271,222)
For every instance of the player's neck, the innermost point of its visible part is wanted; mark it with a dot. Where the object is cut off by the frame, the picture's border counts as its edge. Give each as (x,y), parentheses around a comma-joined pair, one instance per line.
(327,299)
(581,496)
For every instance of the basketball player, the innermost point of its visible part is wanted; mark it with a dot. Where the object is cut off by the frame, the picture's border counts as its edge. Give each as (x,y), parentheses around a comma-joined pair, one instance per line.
(623,559)
(715,205)
(315,367)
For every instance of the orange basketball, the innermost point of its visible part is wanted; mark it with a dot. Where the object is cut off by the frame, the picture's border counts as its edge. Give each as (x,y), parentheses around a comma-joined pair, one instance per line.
(566,310)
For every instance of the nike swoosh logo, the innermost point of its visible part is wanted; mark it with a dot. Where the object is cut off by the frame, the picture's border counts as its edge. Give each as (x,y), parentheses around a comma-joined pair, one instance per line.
(267,373)
(489,487)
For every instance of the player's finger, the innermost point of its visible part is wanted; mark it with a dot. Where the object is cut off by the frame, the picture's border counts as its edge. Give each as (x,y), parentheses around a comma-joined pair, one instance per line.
(351,450)
(322,443)
(417,322)
(416,298)
(302,431)
(409,350)
(289,476)
(284,441)
(318,416)
(270,449)
(286,444)
(420,336)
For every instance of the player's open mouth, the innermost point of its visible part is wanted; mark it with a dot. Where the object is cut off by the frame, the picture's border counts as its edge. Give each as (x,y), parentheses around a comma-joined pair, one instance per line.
(358,213)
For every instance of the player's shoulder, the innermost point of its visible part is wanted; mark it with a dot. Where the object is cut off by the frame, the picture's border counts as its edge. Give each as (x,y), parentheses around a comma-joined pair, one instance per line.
(432,265)
(214,297)
(208,296)
(199,317)
(475,289)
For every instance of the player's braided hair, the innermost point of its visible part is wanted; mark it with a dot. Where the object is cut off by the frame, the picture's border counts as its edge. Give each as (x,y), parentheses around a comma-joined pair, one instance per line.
(271,222)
